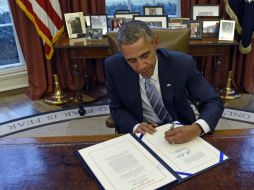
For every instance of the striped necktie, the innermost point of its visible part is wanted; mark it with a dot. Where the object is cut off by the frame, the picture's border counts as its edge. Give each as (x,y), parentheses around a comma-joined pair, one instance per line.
(156,102)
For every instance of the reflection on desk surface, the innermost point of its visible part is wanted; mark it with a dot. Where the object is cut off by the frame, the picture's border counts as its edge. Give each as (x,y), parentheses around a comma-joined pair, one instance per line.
(212,41)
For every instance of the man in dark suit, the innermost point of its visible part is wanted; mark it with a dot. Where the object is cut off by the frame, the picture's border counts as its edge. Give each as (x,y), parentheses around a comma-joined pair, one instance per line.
(175,78)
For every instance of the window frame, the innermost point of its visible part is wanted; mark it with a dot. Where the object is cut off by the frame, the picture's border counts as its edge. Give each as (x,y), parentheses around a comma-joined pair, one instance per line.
(13,76)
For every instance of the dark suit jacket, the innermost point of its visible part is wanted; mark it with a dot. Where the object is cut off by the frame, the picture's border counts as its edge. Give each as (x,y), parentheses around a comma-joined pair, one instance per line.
(179,79)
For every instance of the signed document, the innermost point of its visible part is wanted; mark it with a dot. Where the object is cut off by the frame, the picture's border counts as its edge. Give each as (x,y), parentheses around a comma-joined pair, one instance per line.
(148,161)
(185,159)
(123,163)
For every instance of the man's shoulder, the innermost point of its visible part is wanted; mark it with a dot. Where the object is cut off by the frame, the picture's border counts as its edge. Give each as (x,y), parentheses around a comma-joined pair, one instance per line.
(113,59)
(174,56)
(170,53)
(115,63)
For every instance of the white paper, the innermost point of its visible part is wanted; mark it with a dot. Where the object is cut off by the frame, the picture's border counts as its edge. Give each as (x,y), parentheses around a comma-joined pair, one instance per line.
(190,157)
(122,163)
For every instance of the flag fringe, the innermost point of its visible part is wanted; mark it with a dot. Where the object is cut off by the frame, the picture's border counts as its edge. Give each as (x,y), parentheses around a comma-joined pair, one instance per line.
(233,16)
(245,50)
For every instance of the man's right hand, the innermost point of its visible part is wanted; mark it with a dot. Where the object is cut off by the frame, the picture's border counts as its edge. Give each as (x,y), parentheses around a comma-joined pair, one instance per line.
(146,128)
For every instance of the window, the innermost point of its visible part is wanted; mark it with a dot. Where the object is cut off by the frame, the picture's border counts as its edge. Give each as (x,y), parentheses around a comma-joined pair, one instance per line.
(12,65)
(171,7)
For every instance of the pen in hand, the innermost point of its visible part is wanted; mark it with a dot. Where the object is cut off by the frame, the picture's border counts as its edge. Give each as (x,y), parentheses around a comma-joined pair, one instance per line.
(166,133)
(172,126)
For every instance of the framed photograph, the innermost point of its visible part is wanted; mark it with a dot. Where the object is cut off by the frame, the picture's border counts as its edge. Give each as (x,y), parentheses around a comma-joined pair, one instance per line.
(75,24)
(87,21)
(116,23)
(122,11)
(207,17)
(94,33)
(177,25)
(127,16)
(179,20)
(205,10)
(195,29)
(99,21)
(153,10)
(153,21)
(210,28)
(227,30)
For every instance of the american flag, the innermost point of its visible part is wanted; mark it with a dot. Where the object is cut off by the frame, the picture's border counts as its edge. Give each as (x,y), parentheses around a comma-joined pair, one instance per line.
(47,18)
(242,12)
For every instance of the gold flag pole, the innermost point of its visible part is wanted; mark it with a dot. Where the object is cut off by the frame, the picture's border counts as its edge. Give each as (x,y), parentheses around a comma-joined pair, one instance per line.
(228,93)
(58,97)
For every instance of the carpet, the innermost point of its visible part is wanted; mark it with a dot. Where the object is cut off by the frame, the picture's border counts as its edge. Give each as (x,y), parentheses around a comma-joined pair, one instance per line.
(68,122)
(50,118)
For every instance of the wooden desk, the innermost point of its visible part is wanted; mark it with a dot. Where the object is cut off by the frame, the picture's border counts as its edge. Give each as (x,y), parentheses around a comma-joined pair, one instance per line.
(50,163)
(93,49)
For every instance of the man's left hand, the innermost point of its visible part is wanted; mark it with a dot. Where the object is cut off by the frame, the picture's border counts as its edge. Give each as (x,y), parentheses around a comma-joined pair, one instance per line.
(183,134)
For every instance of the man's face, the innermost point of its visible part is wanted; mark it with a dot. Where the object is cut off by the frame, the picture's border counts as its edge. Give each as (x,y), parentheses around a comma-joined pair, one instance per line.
(141,56)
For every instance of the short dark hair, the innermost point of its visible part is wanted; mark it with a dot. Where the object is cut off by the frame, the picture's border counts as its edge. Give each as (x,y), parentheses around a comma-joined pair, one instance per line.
(131,31)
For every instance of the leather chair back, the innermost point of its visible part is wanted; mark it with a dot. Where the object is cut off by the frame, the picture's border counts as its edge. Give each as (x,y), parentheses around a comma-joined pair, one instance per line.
(171,39)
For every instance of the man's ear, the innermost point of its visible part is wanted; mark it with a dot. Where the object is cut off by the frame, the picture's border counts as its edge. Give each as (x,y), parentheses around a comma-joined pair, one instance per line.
(156,41)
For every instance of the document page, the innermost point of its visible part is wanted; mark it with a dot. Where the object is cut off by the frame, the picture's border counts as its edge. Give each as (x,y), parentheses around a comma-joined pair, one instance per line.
(185,159)
(123,163)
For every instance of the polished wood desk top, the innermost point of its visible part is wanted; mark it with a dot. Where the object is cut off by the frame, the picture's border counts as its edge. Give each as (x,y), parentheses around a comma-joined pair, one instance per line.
(65,42)
(51,163)
(212,42)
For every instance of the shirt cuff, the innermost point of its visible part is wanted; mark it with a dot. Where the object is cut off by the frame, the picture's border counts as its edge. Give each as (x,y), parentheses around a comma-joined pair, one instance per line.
(135,127)
(204,125)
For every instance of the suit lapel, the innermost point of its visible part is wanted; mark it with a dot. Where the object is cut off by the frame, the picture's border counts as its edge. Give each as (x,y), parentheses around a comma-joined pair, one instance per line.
(166,77)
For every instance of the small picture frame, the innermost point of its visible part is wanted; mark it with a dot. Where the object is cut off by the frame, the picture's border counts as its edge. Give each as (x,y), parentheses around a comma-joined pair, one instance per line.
(177,26)
(94,33)
(153,21)
(227,30)
(207,17)
(99,21)
(153,10)
(127,16)
(179,20)
(75,24)
(210,28)
(205,10)
(87,21)
(116,23)
(195,29)
(122,11)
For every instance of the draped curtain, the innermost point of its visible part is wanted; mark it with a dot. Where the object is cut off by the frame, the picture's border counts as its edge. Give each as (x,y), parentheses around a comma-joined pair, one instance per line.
(243,65)
(39,70)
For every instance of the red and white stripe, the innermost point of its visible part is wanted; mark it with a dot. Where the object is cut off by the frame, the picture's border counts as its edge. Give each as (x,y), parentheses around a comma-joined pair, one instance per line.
(47,18)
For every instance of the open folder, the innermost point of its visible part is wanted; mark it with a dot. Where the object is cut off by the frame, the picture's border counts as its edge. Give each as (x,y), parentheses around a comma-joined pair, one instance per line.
(148,161)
